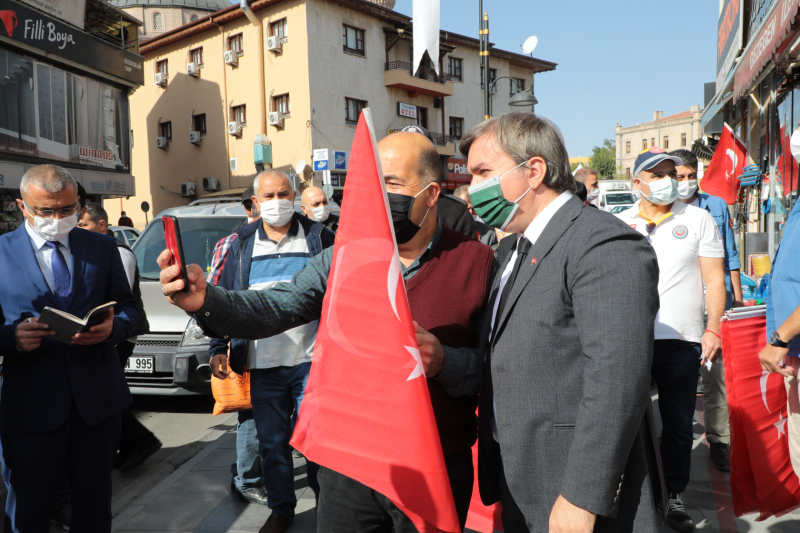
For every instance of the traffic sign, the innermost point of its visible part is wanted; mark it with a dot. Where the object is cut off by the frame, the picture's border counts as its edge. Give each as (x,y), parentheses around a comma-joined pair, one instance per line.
(320,165)
(320,154)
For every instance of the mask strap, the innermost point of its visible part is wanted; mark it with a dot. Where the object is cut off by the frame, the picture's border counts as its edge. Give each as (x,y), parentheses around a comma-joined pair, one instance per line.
(423,218)
(523,195)
(423,190)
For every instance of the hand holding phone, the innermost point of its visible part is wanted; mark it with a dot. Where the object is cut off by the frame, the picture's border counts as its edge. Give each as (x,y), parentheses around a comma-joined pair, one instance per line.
(172,236)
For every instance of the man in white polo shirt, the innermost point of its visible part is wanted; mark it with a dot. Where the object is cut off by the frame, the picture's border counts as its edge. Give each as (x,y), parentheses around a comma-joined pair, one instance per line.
(690,254)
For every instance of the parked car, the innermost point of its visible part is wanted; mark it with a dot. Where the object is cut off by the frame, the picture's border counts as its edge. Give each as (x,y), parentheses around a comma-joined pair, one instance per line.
(125,234)
(173,358)
(611,199)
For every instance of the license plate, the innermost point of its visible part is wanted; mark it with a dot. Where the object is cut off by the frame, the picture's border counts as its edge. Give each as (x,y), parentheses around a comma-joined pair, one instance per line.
(140,365)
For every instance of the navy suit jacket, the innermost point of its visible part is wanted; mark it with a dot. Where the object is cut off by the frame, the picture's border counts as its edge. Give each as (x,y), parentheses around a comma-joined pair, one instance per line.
(39,387)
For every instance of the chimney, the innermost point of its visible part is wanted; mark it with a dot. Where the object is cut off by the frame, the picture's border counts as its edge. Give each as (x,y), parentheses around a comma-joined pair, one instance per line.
(658,115)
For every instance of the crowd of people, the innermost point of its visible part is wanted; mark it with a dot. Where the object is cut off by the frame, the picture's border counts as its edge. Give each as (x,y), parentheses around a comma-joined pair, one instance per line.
(563,318)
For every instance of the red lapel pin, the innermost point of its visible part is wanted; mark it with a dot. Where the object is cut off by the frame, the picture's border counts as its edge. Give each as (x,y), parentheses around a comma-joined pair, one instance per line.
(533,261)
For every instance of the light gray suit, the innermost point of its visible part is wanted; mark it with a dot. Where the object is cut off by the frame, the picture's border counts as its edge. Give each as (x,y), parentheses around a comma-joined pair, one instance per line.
(569,370)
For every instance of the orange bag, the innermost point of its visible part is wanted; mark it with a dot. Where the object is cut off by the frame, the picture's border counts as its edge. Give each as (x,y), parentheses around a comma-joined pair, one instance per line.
(232,394)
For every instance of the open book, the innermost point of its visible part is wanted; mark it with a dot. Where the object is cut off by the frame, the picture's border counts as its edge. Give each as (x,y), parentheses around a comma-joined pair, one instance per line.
(66,325)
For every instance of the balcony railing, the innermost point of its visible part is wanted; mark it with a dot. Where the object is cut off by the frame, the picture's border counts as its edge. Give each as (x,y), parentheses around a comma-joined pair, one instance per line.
(423,73)
(440,139)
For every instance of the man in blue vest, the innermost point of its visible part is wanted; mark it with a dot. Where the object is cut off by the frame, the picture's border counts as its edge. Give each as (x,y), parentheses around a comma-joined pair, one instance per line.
(715,402)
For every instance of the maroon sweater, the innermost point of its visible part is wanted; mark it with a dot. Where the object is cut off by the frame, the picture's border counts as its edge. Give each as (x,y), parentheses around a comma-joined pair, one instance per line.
(446,298)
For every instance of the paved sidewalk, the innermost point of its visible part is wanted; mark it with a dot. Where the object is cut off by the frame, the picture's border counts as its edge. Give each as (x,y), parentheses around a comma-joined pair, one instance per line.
(196,498)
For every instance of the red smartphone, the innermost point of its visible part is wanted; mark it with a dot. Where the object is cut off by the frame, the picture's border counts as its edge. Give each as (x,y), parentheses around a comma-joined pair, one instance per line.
(172,236)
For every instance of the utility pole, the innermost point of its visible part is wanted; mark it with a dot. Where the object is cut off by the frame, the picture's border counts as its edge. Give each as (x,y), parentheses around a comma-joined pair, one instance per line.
(484,53)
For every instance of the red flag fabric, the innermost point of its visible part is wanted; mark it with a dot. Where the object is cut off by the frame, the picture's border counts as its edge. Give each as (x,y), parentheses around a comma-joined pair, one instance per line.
(762,477)
(721,176)
(367,411)
(9,19)
(482,518)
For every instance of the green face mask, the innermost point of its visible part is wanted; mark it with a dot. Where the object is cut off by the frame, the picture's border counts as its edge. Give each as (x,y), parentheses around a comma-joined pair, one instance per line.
(490,204)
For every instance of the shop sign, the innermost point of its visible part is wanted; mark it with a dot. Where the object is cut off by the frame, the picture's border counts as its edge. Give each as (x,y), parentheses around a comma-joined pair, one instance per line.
(729,38)
(334,180)
(320,159)
(72,11)
(763,45)
(30,27)
(110,184)
(392,130)
(457,173)
(339,160)
(758,13)
(407,110)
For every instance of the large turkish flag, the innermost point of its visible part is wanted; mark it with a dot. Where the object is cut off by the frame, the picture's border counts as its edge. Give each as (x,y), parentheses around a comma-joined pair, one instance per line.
(367,411)
(721,178)
(762,478)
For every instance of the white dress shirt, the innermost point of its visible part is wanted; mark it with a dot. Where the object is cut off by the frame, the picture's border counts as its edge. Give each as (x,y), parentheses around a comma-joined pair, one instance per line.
(44,254)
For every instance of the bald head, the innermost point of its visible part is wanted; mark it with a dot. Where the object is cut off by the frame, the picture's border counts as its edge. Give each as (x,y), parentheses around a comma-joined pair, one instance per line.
(412,150)
(314,198)
(271,184)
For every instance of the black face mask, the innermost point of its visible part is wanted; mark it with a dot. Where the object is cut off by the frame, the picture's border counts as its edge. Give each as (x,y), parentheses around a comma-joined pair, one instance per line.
(400,206)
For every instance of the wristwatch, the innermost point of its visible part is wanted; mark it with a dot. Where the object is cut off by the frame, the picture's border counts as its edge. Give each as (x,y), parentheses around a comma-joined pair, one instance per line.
(775,340)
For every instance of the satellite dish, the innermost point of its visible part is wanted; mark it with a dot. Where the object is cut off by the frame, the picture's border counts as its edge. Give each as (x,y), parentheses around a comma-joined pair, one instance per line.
(301,165)
(530,44)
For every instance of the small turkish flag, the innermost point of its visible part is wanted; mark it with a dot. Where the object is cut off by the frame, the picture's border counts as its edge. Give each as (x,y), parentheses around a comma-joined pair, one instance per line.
(9,19)
(721,178)
(367,412)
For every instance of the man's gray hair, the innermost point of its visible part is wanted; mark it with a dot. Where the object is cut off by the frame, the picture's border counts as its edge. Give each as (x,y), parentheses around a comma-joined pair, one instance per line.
(51,178)
(462,191)
(583,173)
(523,136)
(269,172)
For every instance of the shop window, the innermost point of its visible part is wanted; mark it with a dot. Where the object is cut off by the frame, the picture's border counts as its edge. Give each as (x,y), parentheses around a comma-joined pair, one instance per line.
(517,86)
(353,110)
(279,29)
(492,75)
(644,144)
(199,123)
(665,146)
(456,127)
(454,68)
(165,130)
(197,56)
(683,140)
(627,147)
(281,104)
(158,21)
(353,40)
(239,114)
(236,43)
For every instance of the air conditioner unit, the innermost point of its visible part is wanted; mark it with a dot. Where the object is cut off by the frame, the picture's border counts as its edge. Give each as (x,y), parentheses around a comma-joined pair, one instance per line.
(195,137)
(275,119)
(231,58)
(161,142)
(233,164)
(188,189)
(192,70)
(211,184)
(234,128)
(274,43)
(161,79)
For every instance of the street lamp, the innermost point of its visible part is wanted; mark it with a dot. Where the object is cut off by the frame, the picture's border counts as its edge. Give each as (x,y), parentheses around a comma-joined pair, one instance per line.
(521,98)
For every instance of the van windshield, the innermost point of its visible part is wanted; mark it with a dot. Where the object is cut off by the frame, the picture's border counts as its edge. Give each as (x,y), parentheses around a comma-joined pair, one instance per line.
(619,198)
(199,235)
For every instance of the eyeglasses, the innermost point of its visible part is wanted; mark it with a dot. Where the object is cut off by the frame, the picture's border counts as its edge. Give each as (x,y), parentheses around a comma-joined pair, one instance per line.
(50,213)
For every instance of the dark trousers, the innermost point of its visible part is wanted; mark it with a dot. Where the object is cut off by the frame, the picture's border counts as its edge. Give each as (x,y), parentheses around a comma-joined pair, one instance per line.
(511,515)
(675,367)
(347,506)
(33,464)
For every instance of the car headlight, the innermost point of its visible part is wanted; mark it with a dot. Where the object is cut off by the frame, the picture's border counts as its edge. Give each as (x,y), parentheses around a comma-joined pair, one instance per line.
(194,336)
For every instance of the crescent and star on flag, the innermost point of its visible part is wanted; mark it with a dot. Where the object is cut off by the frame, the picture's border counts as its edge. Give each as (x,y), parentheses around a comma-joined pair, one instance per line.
(780,425)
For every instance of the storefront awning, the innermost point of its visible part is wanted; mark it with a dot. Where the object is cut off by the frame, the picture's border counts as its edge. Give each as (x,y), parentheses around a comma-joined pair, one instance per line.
(722,97)
(762,47)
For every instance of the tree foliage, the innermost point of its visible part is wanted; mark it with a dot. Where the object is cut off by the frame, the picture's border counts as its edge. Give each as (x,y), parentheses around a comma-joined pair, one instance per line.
(604,160)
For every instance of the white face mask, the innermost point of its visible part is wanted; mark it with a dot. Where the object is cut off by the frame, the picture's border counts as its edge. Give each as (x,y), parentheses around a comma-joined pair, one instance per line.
(278,212)
(662,192)
(52,229)
(321,213)
(592,194)
(686,189)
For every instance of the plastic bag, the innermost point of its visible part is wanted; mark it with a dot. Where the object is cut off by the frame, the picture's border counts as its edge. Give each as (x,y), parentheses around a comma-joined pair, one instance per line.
(232,394)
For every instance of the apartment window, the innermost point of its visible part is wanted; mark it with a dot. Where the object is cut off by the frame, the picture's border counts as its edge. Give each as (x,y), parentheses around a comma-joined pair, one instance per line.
(627,147)
(165,130)
(454,68)
(456,127)
(199,123)
(353,40)
(353,109)
(279,29)
(236,44)
(644,144)
(281,104)
(492,75)
(158,21)
(239,114)
(197,56)
(162,68)
(517,86)
(665,146)
(683,140)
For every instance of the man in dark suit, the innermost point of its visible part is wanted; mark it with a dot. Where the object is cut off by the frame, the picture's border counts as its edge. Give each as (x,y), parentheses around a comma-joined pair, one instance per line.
(59,403)
(564,445)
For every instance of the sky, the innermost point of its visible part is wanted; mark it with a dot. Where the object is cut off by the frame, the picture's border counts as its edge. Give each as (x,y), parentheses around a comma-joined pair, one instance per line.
(617,61)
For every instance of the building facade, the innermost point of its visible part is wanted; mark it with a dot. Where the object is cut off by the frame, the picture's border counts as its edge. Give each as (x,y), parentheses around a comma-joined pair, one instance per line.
(670,133)
(159,16)
(64,86)
(293,76)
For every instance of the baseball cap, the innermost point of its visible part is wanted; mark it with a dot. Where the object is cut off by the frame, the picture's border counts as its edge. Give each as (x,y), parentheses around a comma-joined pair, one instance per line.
(652,157)
(246,195)
(413,128)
